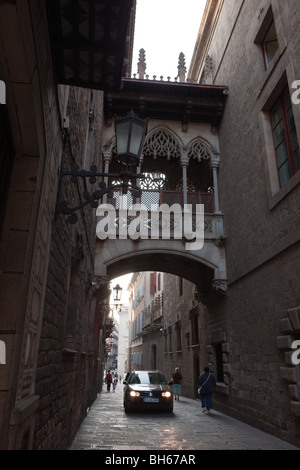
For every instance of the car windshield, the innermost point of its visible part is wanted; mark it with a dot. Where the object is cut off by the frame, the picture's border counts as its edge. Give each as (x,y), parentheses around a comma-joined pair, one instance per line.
(147,378)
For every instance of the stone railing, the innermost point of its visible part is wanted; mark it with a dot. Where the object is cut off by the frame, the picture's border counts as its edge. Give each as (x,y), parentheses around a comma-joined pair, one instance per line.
(157,197)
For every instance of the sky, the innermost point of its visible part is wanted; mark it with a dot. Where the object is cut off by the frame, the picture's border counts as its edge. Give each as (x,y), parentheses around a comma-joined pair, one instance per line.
(164,29)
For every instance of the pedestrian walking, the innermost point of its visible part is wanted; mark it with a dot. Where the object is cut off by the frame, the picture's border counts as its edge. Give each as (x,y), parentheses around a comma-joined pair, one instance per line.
(176,382)
(108,380)
(207,385)
(115,381)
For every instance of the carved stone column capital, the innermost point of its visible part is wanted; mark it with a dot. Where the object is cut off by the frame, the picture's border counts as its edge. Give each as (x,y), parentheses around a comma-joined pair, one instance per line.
(107,155)
(184,160)
(220,285)
(215,160)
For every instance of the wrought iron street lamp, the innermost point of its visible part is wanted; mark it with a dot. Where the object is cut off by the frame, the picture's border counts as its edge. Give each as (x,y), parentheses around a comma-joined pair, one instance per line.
(130,134)
(117,293)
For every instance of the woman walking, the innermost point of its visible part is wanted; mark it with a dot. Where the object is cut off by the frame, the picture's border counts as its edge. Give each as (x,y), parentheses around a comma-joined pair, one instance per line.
(177,378)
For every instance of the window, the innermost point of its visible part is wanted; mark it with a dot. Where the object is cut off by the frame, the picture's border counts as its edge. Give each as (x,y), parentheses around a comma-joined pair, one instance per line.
(219,362)
(152,283)
(187,339)
(270,44)
(147,378)
(170,338)
(267,39)
(194,325)
(178,335)
(285,138)
(166,340)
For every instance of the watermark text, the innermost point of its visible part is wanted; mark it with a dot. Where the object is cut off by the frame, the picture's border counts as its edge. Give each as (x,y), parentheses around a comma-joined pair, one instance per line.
(161,222)
(2,92)
(296,94)
(2,352)
(296,354)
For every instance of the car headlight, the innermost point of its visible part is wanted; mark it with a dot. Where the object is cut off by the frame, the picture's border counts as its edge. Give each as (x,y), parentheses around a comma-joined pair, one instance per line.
(166,394)
(134,394)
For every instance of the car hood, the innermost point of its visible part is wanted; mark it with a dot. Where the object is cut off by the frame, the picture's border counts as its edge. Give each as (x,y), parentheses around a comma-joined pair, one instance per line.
(143,387)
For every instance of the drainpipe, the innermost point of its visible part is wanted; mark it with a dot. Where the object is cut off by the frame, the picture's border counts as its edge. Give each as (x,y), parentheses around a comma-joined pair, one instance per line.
(184,165)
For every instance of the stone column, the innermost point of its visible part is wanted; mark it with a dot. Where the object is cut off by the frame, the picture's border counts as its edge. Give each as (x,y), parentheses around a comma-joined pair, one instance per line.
(214,163)
(184,164)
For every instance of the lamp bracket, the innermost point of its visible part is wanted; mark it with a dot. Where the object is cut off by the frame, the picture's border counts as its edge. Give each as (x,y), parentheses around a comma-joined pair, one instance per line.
(125,177)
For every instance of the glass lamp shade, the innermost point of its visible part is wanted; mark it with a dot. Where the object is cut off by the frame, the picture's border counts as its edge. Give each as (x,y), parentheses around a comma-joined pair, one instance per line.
(130,133)
(117,293)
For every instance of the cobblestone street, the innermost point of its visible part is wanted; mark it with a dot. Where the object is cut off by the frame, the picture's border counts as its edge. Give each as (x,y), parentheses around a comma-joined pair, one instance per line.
(107,427)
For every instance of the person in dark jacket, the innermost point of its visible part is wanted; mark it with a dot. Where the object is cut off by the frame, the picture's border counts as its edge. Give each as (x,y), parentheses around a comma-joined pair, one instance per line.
(176,379)
(207,385)
(108,380)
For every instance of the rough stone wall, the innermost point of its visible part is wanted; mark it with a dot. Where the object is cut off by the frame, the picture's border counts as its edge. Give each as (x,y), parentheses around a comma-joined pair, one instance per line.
(261,219)
(25,239)
(68,375)
(252,321)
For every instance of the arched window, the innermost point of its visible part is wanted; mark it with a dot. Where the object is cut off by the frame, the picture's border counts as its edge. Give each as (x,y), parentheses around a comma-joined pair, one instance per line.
(161,162)
(199,173)
(161,144)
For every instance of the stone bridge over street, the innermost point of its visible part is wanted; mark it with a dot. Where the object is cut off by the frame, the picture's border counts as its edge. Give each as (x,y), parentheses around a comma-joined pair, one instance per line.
(206,267)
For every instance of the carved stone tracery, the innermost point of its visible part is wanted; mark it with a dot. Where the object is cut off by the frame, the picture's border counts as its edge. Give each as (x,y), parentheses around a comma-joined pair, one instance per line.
(199,151)
(162,144)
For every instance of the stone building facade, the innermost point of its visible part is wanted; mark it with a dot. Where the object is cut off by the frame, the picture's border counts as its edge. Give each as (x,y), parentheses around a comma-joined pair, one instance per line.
(253,47)
(53,308)
(123,343)
(183,322)
(68,354)
(137,303)
(152,321)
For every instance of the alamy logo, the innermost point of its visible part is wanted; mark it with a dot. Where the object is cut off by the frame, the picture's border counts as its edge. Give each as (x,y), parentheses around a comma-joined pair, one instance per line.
(161,222)
(296,94)
(2,352)
(296,354)
(2,92)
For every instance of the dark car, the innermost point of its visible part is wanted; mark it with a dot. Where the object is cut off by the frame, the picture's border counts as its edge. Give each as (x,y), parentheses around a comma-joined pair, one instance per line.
(147,390)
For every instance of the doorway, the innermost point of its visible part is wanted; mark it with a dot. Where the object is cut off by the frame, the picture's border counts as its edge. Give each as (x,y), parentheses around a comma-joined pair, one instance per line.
(153,357)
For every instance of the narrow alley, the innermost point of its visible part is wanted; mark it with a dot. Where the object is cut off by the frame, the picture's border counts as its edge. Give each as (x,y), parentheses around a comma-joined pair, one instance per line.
(108,428)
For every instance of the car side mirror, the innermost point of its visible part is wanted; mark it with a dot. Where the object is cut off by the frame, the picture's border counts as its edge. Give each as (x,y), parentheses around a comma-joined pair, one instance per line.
(124,382)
